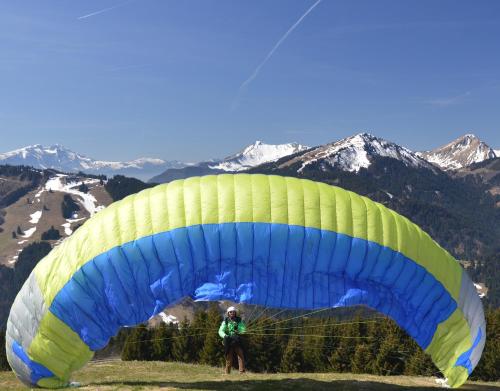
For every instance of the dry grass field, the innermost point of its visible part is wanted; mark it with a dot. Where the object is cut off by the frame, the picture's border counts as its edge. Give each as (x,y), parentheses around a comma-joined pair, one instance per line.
(118,375)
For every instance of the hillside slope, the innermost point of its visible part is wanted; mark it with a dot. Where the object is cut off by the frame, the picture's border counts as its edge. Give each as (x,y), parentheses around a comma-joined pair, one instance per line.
(39,209)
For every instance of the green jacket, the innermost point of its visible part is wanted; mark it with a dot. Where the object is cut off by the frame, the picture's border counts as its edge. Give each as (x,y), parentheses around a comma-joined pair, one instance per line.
(230,327)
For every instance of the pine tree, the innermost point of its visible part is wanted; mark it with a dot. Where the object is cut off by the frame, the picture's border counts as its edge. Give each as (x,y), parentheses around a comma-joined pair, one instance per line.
(362,361)
(162,342)
(388,360)
(263,347)
(293,358)
(199,330)
(488,368)
(138,345)
(315,359)
(4,365)
(419,364)
(212,351)
(14,235)
(340,360)
(19,230)
(182,345)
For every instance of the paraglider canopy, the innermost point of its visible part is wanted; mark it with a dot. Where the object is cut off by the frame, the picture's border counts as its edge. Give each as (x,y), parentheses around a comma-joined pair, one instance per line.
(264,240)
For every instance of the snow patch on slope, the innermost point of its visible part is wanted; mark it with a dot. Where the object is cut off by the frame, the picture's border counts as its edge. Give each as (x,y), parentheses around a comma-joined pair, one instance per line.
(35,217)
(29,232)
(67,225)
(86,199)
(168,319)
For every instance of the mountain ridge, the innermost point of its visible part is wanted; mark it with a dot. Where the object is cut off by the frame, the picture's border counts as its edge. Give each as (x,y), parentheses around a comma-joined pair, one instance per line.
(60,158)
(351,154)
(251,156)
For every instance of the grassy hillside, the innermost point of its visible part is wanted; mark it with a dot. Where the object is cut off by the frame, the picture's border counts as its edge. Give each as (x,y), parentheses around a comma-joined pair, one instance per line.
(118,375)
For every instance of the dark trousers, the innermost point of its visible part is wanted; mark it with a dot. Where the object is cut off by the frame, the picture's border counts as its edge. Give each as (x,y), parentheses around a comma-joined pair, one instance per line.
(229,358)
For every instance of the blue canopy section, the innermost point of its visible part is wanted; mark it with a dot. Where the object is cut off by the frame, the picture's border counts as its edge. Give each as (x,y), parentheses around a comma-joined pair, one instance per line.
(38,371)
(274,265)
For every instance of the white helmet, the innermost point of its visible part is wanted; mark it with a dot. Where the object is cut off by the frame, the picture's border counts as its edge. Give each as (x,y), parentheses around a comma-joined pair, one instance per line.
(231,309)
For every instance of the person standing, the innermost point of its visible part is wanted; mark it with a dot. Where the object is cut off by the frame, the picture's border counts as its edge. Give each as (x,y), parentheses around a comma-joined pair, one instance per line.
(230,331)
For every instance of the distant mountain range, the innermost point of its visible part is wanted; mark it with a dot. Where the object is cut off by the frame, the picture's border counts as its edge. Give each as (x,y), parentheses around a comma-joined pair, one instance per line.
(63,159)
(350,154)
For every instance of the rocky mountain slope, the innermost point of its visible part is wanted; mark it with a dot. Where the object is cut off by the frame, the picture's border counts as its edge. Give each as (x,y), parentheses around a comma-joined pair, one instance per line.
(353,153)
(459,153)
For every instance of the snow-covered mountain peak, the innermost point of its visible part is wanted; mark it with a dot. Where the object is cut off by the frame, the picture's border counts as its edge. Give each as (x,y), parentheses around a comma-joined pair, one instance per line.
(459,153)
(256,154)
(356,152)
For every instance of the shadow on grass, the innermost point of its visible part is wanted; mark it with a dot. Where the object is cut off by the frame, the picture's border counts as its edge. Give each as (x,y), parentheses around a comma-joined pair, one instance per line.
(287,384)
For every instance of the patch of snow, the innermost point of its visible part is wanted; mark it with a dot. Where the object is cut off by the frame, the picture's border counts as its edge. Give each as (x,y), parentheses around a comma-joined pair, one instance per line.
(35,217)
(67,225)
(496,152)
(168,319)
(75,220)
(29,232)
(37,195)
(389,194)
(86,199)
(22,241)
(67,229)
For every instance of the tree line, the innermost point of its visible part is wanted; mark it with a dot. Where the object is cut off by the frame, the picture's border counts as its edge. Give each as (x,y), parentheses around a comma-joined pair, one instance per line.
(373,346)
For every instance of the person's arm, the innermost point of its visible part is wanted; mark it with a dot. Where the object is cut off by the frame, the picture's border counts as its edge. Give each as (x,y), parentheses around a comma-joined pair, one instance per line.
(242,328)
(222,330)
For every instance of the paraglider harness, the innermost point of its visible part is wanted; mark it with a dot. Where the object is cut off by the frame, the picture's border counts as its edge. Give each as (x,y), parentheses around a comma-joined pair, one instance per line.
(231,340)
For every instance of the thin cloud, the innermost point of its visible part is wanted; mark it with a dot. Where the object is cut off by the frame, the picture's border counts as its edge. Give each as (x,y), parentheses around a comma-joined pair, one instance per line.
(275,47)
(105,10)
(449,101)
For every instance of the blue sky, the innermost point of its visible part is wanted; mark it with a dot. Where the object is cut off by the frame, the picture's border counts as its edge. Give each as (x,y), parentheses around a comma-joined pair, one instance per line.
(162,78)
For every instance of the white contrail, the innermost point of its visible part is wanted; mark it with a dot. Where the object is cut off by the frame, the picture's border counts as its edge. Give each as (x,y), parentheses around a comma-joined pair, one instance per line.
(104,10)
(278,44)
